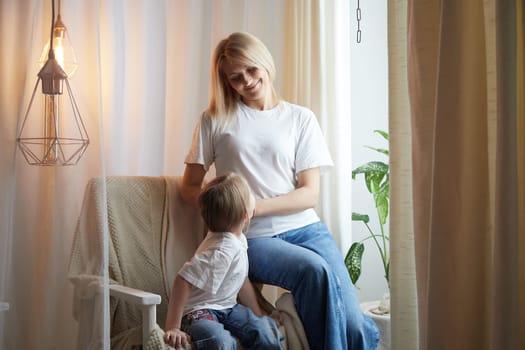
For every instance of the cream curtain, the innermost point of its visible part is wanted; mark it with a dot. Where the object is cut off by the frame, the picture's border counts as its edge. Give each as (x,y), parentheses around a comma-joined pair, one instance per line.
(141,83)
(403,294)
(317,75)
(466,133)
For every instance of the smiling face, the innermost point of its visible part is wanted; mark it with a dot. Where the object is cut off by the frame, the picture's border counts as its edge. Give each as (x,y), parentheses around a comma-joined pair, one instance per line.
(251,83)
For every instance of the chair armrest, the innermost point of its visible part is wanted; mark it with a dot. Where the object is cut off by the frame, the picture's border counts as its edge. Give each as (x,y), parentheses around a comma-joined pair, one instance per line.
(147,301)
(89,286)
(132,295)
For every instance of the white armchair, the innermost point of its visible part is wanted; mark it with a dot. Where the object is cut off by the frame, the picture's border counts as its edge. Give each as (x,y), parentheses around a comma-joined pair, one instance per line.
(151,233)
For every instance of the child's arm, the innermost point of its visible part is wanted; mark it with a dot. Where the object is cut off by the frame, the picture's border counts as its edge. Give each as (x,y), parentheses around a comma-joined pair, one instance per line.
(179,295)
(248,298)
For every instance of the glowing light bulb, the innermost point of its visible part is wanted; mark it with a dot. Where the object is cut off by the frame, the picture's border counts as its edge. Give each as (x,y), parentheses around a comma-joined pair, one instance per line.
(64,52)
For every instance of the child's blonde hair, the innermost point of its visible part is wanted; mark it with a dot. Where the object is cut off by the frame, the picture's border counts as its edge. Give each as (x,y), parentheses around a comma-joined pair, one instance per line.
(224,202)
(243,48)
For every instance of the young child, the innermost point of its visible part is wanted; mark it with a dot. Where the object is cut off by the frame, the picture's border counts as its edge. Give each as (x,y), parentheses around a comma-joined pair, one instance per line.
(203,306)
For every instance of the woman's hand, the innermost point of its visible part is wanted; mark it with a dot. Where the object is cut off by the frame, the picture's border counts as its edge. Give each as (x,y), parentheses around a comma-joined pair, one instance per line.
(303,197)
(177,338)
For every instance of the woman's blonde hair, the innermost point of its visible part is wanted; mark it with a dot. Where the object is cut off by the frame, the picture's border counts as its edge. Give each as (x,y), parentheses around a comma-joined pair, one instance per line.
(224,202)
(243,48)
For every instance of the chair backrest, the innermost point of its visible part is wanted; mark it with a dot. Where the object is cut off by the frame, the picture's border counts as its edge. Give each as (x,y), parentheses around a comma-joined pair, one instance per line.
(152,232)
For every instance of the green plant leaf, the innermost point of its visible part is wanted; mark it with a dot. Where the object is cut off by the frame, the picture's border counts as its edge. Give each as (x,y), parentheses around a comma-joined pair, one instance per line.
(382,133)
(360,217)
(380,150)
(371,167)
(381,200)
(375,173)
(353,260)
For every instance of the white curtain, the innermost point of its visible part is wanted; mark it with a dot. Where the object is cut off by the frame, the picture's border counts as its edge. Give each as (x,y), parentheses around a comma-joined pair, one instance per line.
(317,57)
(141,83)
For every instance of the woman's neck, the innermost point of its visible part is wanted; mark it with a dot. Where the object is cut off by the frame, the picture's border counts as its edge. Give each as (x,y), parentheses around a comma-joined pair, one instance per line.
(269,102)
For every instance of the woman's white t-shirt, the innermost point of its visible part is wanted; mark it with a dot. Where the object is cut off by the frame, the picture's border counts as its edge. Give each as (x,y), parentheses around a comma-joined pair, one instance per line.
(269,148)
(217,272)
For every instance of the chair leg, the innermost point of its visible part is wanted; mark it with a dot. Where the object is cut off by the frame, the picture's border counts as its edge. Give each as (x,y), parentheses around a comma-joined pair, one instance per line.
(149,321)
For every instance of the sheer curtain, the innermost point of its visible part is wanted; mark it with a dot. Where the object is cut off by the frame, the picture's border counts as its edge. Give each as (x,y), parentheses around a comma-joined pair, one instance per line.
(141,83)
(464,84)
(317,75)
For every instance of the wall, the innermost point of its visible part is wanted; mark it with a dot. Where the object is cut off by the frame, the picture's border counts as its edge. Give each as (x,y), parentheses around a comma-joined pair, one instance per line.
(369,98)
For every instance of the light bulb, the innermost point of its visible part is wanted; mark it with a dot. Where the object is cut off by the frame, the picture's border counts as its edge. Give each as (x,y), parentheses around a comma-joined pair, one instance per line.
(50,148)
(64,52)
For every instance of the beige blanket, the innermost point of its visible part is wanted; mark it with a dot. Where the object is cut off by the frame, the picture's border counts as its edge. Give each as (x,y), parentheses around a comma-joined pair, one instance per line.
(136,217)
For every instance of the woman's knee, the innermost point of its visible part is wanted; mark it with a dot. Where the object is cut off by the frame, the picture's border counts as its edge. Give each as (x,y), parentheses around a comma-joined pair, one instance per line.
(315,272)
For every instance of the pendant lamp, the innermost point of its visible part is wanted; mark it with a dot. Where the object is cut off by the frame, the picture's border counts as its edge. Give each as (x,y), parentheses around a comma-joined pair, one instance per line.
(52,132)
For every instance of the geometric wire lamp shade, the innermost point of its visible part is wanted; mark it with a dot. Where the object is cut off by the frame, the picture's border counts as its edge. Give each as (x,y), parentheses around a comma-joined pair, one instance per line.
(52,132)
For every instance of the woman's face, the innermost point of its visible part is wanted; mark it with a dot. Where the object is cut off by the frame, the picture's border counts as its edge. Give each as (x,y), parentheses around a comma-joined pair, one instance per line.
(250,82)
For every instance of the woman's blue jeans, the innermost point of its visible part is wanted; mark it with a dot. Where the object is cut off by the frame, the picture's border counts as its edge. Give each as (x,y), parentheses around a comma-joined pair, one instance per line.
(307,262)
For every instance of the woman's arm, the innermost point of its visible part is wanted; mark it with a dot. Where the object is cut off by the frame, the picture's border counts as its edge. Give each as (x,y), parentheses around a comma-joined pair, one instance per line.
(179,295)
(248,298)
(192,182)
(303,197)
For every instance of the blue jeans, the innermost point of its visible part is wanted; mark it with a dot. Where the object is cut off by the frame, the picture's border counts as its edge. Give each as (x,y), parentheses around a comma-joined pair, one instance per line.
(217,331)
(307,262)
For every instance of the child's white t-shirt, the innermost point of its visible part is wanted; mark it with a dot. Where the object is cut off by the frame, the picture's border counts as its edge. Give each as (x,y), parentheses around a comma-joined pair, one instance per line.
(269,148)
(217,271)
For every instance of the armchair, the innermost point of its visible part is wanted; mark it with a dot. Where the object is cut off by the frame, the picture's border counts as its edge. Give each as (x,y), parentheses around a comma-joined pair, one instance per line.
(151,233)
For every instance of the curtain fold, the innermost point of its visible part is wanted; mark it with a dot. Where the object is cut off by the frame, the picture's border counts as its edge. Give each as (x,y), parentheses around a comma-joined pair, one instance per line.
(520,157)
(506,225)
(403,295)
(509,303)
(465,87)
(317,75)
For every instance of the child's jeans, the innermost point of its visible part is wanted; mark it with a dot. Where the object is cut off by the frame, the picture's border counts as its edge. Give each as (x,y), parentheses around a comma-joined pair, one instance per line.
(216,329)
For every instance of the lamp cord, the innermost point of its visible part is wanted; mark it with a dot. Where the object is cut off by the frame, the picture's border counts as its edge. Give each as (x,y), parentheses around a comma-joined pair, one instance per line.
(51,53)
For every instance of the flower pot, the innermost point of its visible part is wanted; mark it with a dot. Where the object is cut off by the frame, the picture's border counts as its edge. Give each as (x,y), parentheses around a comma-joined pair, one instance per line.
(379,312)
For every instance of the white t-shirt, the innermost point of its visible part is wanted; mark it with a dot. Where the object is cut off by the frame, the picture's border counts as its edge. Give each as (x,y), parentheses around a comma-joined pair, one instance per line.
(217,271)
(269,148)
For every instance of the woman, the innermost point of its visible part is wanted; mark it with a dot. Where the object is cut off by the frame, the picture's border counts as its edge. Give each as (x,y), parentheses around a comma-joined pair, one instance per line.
(279,149)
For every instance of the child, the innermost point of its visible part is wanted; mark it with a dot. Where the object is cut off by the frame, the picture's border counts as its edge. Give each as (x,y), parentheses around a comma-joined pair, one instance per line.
(203,307)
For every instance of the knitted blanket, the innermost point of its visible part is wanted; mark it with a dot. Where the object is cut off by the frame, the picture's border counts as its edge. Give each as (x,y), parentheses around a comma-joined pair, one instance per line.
(134,209)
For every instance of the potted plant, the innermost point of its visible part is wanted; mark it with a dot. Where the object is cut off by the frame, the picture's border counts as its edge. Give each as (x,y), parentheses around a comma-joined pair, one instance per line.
(376,176)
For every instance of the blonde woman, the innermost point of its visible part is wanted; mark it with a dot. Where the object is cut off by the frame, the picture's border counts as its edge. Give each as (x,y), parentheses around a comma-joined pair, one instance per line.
(203,307)
(279,149)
